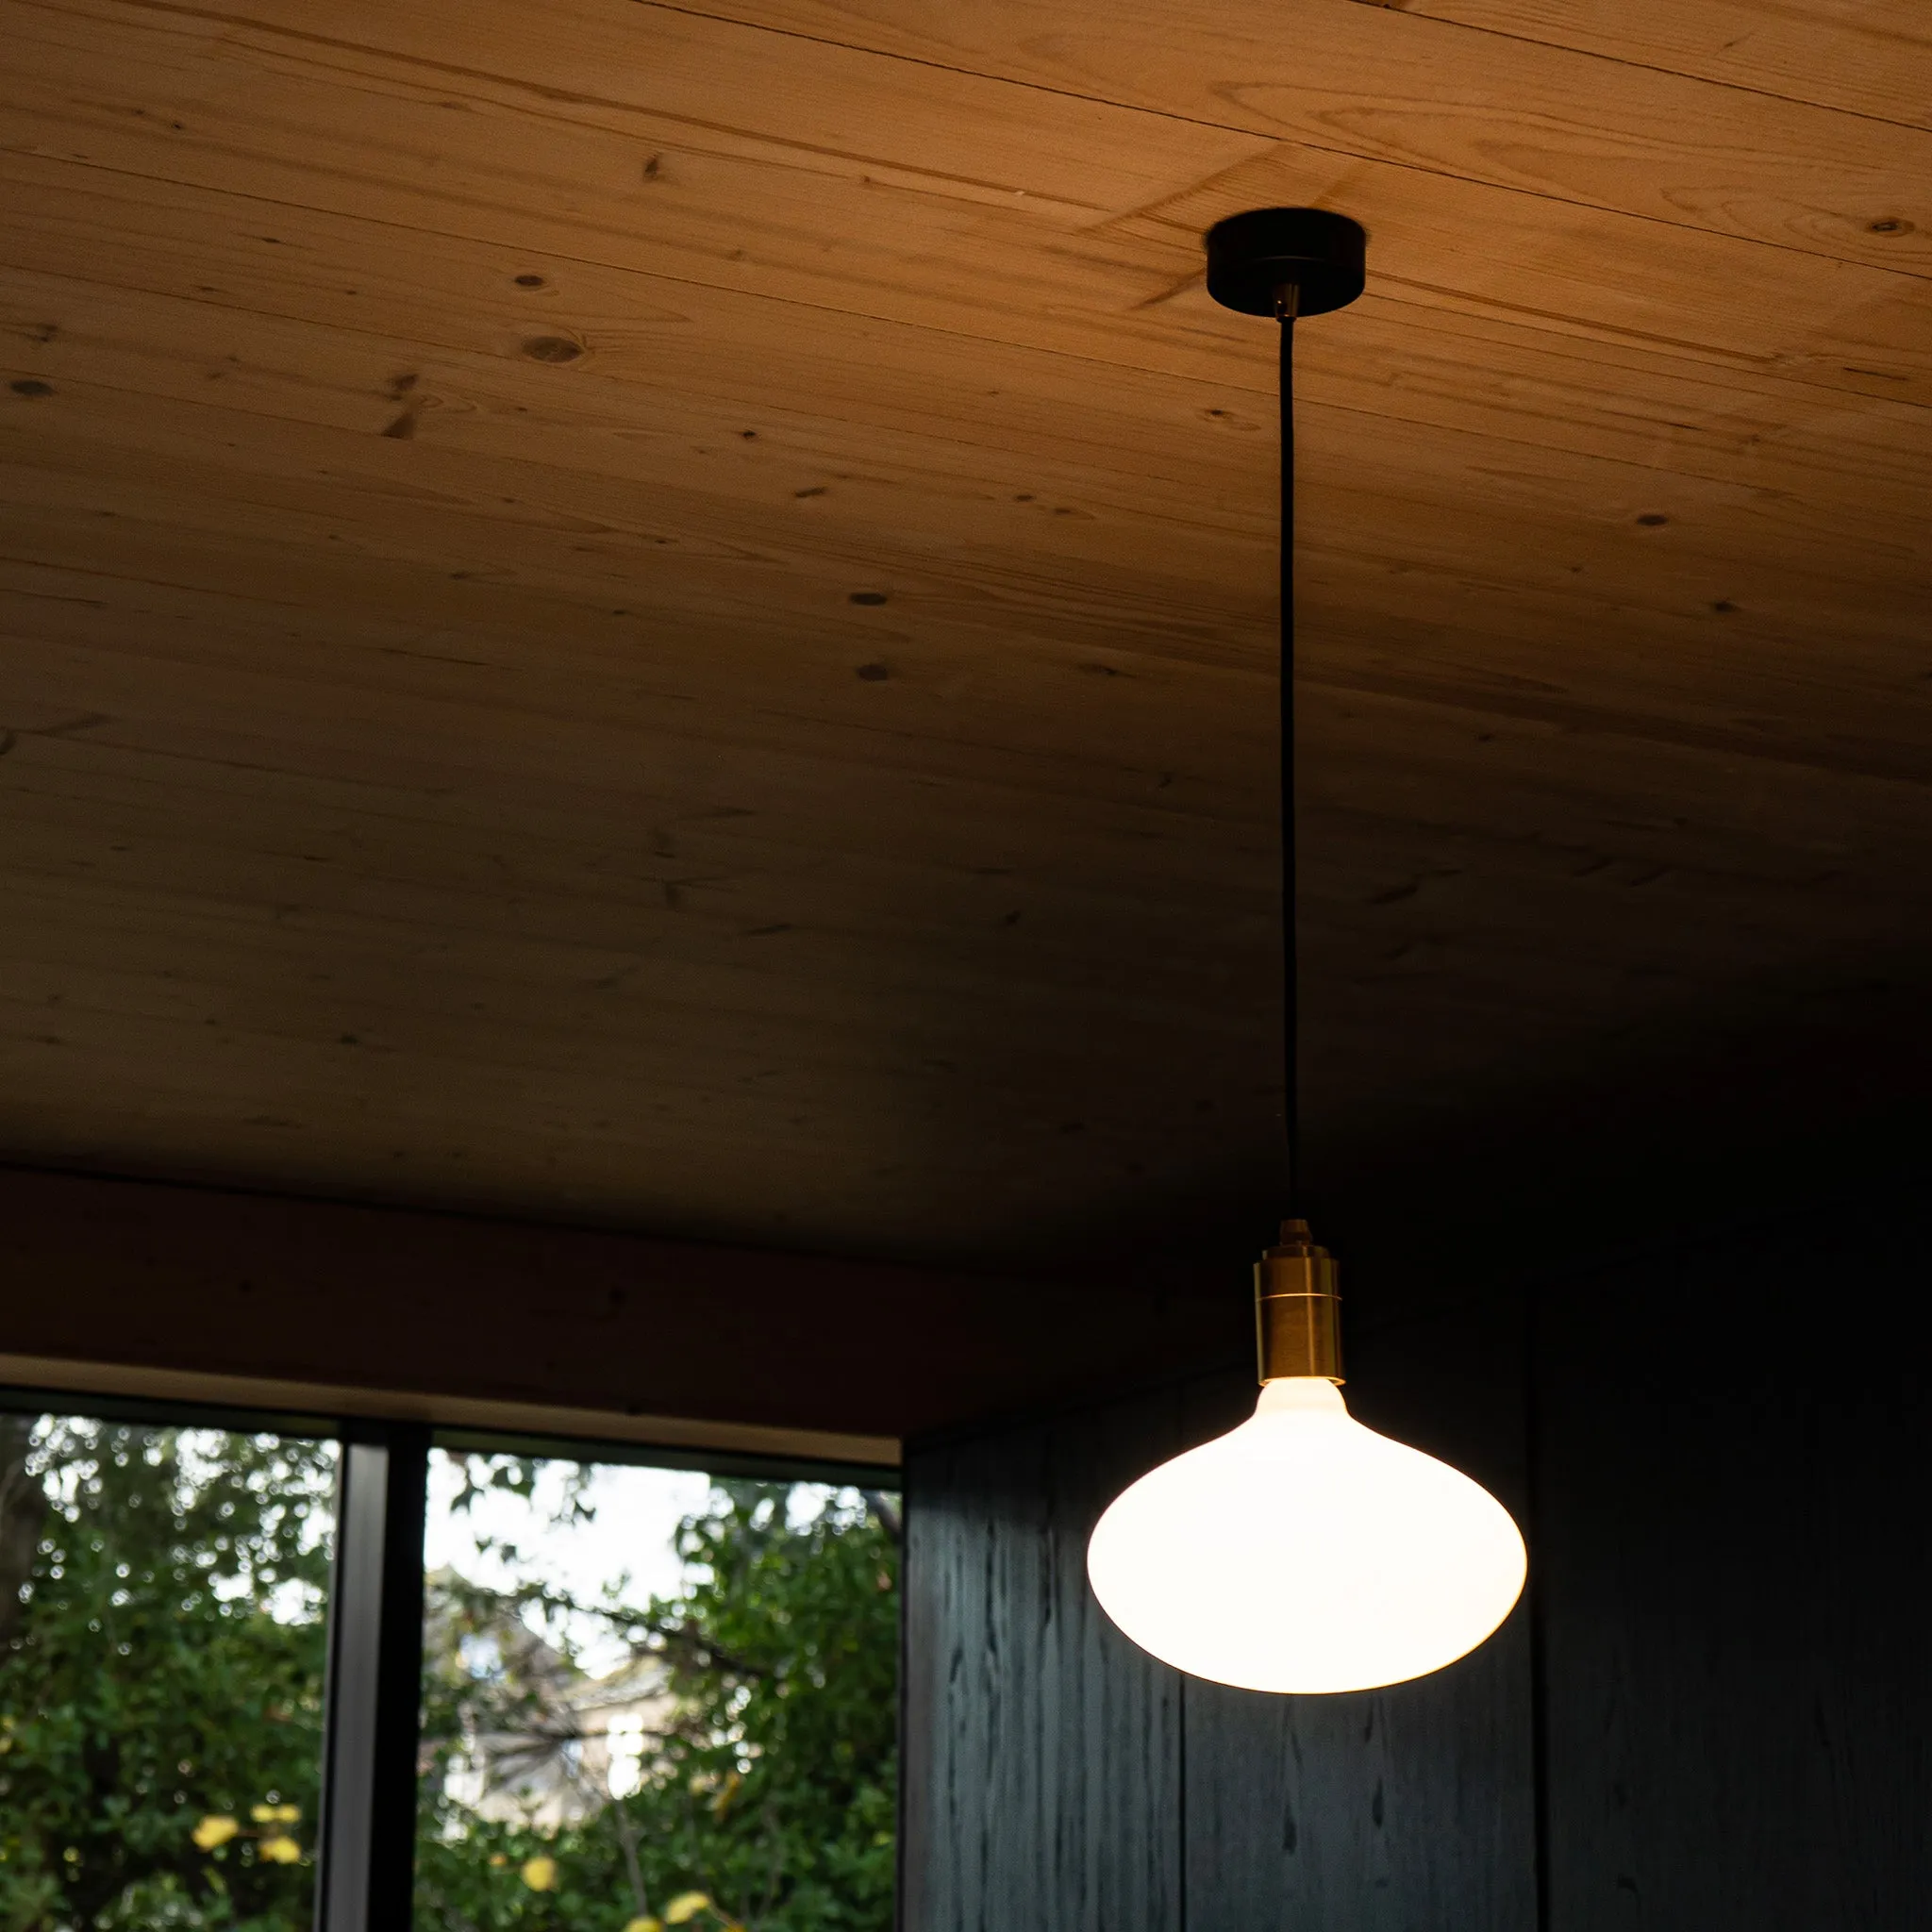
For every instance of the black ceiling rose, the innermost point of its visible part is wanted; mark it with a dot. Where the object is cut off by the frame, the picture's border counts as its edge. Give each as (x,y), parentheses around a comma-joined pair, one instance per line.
(1252,256)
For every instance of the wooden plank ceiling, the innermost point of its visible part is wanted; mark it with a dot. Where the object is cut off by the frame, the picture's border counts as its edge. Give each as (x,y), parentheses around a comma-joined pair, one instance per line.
(661,615)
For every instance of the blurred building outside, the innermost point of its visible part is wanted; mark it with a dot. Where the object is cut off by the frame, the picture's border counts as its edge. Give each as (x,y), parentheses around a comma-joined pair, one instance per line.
(571,1743)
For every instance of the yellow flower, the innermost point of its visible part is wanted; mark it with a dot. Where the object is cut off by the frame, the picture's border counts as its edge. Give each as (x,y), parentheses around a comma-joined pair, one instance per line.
(263,1814)
(645,1926)
(280,1850)
(288,1814)
(214,1830)
(686,1904)
(540,1875)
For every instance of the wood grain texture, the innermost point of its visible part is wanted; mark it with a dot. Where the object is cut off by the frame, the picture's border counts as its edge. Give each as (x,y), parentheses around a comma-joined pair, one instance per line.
(666,620)
(1042,1749)
(1403,1811)
(1397,86)
(1736,1570)
(1041,1792)
(1088,232)
(1722,1482)
(1411,1809)
(1867,57)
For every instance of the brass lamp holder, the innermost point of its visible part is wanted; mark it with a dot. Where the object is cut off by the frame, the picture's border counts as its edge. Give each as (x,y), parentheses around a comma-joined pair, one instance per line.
(1297,1309)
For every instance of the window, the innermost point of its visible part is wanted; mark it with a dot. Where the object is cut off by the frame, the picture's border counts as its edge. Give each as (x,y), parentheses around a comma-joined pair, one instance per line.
(257,1676)
(163,1594)
(652,1697)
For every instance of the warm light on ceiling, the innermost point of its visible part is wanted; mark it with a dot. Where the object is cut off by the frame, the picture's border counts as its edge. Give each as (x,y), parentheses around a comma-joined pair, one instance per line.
(1304,1552)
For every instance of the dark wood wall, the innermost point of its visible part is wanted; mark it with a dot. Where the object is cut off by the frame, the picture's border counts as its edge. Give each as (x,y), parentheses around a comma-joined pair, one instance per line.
(1734,1536)
(1711,1713)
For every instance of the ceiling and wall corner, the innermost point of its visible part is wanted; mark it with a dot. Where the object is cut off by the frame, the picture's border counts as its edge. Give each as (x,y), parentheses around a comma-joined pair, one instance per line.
(659,617)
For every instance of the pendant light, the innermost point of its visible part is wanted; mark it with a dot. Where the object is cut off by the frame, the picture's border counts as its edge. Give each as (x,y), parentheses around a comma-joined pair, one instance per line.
(1301,1552)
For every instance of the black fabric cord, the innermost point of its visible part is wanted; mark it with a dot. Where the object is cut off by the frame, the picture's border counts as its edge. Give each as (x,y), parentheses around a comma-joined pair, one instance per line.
(1290,964)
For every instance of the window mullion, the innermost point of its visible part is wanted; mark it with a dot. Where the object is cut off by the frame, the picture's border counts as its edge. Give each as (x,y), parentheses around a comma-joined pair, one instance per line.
(373,1691)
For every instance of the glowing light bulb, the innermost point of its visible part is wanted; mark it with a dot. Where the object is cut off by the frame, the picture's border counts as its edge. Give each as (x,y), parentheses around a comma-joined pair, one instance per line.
(1303,1552)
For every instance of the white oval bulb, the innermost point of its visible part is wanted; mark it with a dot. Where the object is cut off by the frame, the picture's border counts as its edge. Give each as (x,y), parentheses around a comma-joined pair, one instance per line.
(1304,1552)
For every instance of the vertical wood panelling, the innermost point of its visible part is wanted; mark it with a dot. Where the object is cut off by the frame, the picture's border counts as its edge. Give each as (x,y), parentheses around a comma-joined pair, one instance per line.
(1409,1809)
(1401,1810)
(1043,1750)
(1729,1545)
(1057,1779)
(1736,1562)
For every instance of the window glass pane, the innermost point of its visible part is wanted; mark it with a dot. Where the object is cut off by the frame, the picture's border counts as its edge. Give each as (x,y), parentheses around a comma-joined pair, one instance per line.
(162,1634)
(652,1698)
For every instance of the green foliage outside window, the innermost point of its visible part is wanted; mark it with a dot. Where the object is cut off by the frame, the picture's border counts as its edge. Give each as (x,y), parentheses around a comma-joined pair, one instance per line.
(161,1648)
(767,1802)
(162,1634)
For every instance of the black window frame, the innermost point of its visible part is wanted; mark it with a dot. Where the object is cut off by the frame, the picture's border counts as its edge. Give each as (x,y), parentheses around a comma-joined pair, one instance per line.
(372,1686)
